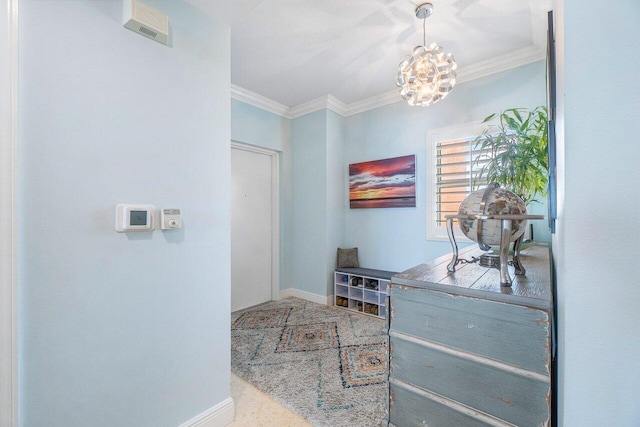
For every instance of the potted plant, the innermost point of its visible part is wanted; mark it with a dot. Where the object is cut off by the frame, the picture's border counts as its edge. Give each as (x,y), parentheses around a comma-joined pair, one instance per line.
(513,152)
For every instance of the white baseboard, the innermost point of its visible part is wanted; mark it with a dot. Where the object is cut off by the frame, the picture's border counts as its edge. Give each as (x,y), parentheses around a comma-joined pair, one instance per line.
(318,299)
(218,416)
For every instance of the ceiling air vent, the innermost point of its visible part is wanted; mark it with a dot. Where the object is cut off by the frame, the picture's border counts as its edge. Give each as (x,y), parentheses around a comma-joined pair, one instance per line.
(145,20)
(147,32)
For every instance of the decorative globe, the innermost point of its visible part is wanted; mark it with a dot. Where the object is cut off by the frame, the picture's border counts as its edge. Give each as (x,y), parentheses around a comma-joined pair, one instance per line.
(499,201)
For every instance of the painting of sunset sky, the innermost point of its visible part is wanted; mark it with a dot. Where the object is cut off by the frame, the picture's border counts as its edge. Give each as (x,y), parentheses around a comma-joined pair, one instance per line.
(388,183)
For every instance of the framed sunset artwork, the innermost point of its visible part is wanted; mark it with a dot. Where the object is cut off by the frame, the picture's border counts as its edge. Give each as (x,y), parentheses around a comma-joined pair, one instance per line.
(388,183)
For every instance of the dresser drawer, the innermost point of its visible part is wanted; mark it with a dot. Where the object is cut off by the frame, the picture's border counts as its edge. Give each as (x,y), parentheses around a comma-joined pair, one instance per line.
(409,407)
(511,333)
(517,396)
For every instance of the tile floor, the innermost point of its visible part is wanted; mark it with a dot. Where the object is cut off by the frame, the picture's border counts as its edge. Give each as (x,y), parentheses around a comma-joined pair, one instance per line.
(256,409)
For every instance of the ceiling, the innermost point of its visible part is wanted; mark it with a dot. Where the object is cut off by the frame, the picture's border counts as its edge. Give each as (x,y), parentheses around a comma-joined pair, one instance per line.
(295,51)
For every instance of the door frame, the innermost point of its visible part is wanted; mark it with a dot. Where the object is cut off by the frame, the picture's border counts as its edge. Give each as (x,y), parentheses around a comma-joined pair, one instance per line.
(275,211)
(8,212)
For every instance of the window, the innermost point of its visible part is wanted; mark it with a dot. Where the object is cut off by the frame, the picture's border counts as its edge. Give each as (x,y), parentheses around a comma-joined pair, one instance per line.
(451,170)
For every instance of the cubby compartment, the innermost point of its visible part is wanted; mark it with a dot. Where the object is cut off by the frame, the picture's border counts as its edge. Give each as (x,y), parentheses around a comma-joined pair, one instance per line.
(371,284)
(363,294)
(342,290)
(356,281)
(370,296)
(355,293)
(342,278)
(383,286)
(371,308)
(342,301)
(355,305)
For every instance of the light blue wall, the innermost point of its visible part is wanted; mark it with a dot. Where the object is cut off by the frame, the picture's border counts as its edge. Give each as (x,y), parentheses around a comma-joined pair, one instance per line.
(395,238)
(596,247)
(254,126)
(318,208)
(312,205)
(308,143)
(322,145)
(117,329)
(336,133)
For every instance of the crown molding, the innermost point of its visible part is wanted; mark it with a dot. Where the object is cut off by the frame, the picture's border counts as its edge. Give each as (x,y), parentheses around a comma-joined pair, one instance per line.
(386,98)
(309,107)
(252,98)
(508,61)
(328,101)
(336,105)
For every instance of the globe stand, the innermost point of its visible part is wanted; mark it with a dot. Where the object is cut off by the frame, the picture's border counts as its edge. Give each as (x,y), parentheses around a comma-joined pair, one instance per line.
(490,259)
(505,242)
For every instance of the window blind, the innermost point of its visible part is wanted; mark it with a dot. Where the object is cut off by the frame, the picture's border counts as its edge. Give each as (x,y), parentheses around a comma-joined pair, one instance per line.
(456,175)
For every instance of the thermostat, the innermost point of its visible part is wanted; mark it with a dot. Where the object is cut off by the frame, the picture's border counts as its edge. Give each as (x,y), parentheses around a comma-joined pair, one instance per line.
(134,218)
(170,219)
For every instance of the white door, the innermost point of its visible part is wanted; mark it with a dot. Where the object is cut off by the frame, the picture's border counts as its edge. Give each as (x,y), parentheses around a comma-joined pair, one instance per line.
(251,228)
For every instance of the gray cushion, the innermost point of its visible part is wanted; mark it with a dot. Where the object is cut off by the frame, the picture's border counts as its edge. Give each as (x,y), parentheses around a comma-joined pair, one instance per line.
(348,257)
(369,272)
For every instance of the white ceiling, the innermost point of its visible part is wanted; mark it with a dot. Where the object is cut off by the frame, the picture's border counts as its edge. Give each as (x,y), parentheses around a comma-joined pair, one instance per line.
(294,51)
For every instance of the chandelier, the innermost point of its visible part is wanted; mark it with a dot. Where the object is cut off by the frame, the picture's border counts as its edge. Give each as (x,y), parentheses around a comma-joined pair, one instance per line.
(429,73)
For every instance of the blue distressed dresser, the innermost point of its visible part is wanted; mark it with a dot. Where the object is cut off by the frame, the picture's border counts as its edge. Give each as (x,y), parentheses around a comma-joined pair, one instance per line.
(466,352)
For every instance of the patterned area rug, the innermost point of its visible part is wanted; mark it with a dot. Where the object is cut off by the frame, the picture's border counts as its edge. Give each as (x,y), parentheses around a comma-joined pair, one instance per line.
(323,363)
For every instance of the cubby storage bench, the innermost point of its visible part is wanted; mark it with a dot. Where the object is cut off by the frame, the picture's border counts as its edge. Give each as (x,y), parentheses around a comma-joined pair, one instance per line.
(362,289)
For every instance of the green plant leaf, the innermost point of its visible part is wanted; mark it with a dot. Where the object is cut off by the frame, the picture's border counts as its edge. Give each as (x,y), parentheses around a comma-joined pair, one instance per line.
(489,118)
(513,153)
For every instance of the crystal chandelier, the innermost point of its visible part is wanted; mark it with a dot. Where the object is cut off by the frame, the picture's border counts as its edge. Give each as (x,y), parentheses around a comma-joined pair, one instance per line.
(429,73)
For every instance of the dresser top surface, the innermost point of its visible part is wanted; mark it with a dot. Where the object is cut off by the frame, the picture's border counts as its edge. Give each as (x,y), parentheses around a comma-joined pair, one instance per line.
(470,279)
